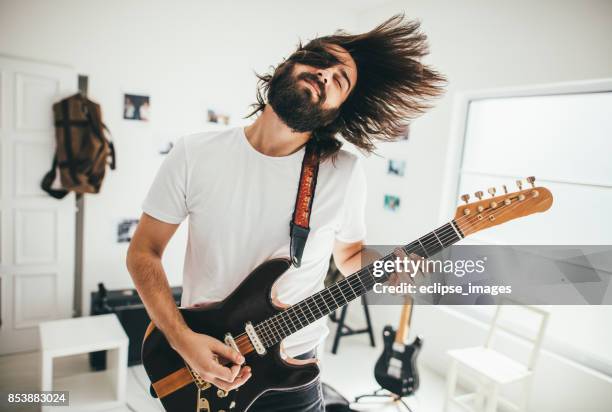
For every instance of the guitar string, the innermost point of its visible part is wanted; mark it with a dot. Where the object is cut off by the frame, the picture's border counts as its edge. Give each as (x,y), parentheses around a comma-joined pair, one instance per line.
(339,285)
(429,240)
(446,232)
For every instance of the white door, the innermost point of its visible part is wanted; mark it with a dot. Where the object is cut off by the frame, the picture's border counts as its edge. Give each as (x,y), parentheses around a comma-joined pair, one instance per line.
(36,230)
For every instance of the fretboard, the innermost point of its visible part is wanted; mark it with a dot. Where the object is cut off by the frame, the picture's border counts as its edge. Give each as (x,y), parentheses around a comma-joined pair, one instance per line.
(322,303)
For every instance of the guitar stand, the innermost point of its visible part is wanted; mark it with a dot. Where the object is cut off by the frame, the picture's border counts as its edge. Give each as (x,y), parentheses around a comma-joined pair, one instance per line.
(376,394)
(345,330)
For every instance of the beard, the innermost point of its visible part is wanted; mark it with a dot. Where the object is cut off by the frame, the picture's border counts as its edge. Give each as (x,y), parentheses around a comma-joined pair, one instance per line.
(293,102)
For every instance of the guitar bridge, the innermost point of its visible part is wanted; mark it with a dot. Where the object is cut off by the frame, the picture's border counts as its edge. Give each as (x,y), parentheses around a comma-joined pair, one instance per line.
(197,379)
(255,341)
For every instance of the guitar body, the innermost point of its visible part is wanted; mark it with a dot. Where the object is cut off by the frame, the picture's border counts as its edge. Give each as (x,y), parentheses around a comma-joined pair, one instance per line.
(250,302)
(396,369)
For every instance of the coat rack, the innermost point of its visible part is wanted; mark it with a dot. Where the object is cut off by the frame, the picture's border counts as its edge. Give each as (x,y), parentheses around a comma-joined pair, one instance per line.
(77,303)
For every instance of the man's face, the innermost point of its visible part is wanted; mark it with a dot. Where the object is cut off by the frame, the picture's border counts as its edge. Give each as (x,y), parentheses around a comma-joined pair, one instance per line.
(306,97)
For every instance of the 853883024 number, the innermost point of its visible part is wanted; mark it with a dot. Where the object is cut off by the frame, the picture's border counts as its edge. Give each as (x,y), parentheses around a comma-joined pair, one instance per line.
(48,398)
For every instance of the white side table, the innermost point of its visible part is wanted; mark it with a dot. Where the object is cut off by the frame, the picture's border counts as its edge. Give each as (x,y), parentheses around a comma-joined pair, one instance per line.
(92,390)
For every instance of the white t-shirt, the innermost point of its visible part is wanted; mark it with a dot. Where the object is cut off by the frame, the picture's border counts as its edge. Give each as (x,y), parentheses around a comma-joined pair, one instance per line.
(240,202)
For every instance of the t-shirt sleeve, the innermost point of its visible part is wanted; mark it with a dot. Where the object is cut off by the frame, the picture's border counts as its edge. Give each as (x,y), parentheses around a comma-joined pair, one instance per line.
(352,227)
(167,196)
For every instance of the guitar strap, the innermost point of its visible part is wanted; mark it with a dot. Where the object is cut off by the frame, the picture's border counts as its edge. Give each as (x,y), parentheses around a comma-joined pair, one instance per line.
(299,228)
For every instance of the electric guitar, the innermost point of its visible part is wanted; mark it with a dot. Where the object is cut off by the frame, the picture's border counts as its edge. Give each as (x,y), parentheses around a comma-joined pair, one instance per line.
(396,369)
(250,322)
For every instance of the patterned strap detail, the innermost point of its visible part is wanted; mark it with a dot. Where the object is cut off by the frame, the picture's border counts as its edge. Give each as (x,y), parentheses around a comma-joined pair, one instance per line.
(299,227)
(308,182)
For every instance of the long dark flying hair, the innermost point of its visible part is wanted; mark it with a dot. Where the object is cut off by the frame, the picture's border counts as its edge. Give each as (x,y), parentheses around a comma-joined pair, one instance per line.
(392,88)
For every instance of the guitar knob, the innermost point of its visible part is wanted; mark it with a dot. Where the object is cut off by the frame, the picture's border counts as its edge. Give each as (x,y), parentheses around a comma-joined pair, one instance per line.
(478,195)
(519,184)
(221,393)
(531,181)
(505,189)
(465,198)
(491,191)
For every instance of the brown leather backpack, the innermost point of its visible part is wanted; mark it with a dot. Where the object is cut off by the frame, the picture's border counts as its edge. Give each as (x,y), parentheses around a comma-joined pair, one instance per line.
(82,149)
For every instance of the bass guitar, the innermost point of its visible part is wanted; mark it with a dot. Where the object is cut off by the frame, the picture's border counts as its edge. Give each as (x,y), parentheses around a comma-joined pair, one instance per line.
(251,323)
(396,369)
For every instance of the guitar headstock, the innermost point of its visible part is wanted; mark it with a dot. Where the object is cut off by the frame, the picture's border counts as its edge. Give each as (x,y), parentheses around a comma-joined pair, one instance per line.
(485,213)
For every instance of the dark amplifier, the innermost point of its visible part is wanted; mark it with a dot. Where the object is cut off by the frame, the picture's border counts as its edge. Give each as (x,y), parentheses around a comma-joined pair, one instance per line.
(127,305)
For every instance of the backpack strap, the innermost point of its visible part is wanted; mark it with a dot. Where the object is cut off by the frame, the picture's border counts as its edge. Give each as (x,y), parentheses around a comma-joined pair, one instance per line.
(49,177)
(299,228)
(68,140)
(113,156)
(95,124)
(48,181)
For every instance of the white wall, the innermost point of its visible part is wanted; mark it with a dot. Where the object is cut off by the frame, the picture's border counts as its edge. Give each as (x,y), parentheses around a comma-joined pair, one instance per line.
(187,55)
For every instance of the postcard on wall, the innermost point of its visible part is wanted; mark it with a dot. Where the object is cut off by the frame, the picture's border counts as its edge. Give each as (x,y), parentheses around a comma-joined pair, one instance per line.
(214,116)
(126,229)
(136,107)
(396,167)
(392,203)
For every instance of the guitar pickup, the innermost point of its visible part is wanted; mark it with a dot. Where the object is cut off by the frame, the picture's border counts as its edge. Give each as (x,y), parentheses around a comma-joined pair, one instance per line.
(255,341)
(229,341)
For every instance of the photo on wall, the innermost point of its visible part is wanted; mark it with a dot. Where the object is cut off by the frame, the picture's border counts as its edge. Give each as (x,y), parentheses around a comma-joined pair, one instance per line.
(396,167)
(126,229)
(392,203)
(136,107)
(214,116)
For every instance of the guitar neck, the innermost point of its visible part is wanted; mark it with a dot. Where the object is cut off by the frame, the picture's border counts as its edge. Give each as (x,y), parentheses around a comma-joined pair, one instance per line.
(339,294)
(404,324)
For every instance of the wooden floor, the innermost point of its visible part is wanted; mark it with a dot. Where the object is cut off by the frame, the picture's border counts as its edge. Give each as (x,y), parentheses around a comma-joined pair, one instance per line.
(20,372)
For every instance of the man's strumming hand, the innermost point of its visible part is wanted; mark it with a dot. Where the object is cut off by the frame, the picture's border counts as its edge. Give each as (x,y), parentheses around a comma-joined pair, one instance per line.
(214,361)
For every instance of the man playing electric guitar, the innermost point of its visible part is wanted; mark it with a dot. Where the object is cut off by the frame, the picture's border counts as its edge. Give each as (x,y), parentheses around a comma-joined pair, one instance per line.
(238,188)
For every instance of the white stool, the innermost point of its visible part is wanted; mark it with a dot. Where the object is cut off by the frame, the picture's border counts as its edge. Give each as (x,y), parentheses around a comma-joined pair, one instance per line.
(92,390)
(494,369)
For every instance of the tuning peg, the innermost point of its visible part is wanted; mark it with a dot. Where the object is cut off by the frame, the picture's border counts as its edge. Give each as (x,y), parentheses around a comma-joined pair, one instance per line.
(491,191)
(478,195)
(519,184)
(505,189)
(465,198)
(531,181)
